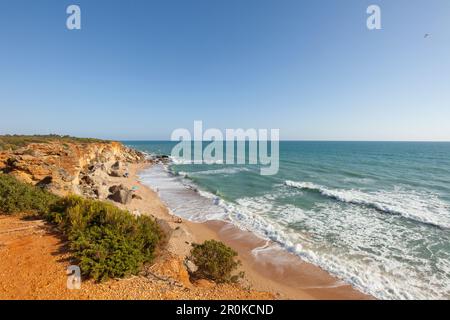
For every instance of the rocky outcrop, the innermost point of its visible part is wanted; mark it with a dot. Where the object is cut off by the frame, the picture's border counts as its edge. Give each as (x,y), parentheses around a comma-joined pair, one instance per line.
(165,159)
(69,167)
(172,267)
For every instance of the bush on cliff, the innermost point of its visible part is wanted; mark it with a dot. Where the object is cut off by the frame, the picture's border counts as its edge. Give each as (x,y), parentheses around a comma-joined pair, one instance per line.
(19,197)
(215,261)
(107,241)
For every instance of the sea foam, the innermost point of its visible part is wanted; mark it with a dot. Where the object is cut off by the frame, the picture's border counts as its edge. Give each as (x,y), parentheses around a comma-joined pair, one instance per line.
(369,266)
(418,206)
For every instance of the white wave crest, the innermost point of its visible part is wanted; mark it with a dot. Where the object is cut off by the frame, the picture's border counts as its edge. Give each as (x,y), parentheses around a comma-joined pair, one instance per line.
(368,243)
(421,207)
(224,171)
(179,160)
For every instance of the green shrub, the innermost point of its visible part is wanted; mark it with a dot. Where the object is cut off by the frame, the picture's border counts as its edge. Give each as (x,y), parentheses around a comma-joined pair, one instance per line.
(107,241)
(19,197)
(215,261)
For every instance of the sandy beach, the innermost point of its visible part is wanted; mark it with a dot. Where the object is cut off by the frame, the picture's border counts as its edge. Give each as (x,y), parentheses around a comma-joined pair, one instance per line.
(276,271)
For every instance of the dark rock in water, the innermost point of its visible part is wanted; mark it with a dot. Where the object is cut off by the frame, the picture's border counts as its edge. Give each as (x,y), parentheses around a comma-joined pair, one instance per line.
(120,194)
(161,158)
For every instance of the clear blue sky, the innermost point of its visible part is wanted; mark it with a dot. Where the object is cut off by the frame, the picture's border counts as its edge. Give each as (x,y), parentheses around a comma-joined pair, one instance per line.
(139,69)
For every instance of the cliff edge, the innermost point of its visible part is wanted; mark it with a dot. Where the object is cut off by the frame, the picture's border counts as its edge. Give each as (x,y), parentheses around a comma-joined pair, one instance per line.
(66,166)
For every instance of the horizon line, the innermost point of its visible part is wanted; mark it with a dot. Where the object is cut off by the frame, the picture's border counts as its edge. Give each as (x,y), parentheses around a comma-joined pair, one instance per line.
(167,140)
(284,140)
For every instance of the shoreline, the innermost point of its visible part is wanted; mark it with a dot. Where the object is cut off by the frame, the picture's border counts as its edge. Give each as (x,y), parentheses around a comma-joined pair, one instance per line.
(276,270)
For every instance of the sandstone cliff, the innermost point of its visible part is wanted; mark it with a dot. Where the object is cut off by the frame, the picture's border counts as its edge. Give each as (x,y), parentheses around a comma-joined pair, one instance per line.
(68,167)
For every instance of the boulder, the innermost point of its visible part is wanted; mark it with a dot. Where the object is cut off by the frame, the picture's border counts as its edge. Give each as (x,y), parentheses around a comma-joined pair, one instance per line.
(101,192)
(116,165)
(115,173)
(87,180)
(120,194)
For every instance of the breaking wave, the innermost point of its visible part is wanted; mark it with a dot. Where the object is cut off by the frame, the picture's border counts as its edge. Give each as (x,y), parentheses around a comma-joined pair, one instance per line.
(418,206)
(223,171)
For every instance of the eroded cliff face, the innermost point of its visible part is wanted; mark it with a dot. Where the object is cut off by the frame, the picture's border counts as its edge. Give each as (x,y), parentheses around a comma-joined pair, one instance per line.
(62,167)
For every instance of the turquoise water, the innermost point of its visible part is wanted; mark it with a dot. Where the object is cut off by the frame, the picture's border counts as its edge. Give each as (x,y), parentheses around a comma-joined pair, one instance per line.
(375,214)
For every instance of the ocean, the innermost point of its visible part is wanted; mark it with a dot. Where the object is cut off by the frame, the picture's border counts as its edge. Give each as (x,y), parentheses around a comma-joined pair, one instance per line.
(374,214)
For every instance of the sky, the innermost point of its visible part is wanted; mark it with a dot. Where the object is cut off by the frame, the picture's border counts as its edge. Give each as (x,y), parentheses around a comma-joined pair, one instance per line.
(137,70)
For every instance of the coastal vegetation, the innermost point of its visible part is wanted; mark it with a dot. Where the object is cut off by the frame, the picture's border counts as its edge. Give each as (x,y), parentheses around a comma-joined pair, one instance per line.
(19,197)
(13,142)
(107,242)
(215,261)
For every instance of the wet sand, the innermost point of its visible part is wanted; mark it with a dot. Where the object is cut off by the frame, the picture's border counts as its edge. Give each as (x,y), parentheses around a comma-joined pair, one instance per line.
(270,268)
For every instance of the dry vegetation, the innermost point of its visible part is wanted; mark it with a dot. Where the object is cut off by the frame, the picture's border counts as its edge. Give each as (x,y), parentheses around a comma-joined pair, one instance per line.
(13,142)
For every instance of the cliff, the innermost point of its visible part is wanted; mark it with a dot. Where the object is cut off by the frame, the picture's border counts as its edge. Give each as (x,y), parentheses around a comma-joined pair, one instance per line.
(65,166)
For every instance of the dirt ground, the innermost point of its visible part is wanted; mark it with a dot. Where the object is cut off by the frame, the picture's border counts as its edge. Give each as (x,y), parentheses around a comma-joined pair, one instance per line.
(34,259)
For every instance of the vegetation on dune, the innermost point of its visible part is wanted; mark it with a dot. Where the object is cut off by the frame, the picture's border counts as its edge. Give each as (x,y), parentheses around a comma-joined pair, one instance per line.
(215,261)
(107,242)
(13,142)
